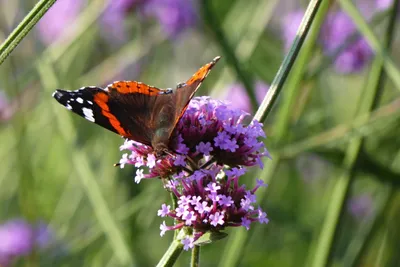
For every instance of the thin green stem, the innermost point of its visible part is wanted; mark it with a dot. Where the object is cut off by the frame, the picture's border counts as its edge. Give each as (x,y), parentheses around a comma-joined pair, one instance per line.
(195,259)
(171,255)
(24,27)
(287,64)
(377,224)
(363,125)
(229,53)
(293,83)
(365,164)
(341,191)
(174,201)
(328,59)
(390,67)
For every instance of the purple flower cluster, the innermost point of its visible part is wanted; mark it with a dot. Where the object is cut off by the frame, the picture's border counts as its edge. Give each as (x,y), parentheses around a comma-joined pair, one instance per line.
(19,238)
(212,146)
(208,132)
(207,202)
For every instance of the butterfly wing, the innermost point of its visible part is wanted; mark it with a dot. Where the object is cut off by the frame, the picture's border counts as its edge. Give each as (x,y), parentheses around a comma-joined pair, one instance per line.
(170,108)
(124,107)
(185,93)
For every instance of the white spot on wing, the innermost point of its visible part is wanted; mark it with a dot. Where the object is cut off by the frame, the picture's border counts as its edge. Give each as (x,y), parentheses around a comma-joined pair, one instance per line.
(79,100)
(68,106)
(89,102)
(88,114)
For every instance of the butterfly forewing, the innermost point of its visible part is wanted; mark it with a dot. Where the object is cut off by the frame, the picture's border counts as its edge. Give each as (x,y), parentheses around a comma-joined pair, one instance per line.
(82,103)
(186,91)
(135,110)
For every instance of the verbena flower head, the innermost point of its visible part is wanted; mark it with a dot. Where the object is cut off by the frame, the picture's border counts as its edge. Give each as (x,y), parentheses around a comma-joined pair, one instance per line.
(212,147)
(210,131)
(18,238)
(209,203)
(337,28)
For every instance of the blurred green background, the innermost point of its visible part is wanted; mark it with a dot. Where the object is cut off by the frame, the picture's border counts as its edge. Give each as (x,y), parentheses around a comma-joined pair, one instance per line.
(58,168)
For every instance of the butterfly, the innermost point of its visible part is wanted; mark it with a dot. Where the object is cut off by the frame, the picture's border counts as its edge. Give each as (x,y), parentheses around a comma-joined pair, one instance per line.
(135,110)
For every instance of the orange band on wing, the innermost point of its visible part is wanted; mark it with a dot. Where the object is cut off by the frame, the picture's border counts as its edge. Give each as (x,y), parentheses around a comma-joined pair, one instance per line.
(202,73)
(126,87)
(101,99)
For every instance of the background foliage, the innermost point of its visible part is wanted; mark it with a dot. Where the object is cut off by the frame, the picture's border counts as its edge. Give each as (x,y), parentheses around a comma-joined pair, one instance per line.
(334,137)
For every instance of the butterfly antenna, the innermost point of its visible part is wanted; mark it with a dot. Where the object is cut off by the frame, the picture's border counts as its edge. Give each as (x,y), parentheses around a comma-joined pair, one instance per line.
(192,164)
(208,163)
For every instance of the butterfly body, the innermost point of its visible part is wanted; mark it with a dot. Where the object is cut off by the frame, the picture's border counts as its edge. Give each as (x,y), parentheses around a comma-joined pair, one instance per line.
(134,110)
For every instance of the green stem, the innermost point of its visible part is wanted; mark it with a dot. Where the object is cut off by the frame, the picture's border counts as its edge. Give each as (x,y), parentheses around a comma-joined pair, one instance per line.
(335,213)
(293,86)
(377,224)
(355,36)
(283,72)
(365,164)
(24,27)
(195,259)
(229,52)
(174,201)
(390,67)
(171,255)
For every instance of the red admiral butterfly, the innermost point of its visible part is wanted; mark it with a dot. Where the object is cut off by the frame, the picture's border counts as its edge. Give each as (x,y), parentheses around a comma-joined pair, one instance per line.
(134,110)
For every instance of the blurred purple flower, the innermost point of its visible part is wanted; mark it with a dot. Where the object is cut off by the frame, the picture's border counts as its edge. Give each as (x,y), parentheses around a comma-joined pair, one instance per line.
(114,16)
(239,98)
(57,21)
(174,16)
(337,28)
(383,4)
(291,23)
(7,109)
(43,235)
(361,206)
(18,238)
(311,167)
